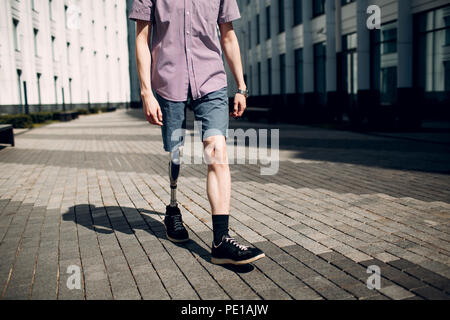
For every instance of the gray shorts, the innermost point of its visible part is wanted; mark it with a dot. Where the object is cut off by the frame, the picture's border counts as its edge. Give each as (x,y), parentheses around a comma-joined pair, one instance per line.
(212,110)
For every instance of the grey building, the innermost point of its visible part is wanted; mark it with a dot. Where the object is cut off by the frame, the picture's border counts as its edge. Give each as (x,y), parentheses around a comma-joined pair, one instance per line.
(318,59)
(63,51)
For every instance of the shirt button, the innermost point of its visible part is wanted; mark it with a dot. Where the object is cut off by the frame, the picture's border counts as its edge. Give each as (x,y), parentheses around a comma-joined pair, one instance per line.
(187,12)
(187,32)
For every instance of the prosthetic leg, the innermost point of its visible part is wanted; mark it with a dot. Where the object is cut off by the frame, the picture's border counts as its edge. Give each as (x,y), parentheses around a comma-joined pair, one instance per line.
(175,230)
(174,172)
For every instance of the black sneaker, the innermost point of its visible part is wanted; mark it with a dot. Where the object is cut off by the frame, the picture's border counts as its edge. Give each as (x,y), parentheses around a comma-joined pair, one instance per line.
(175,230)
(229,251)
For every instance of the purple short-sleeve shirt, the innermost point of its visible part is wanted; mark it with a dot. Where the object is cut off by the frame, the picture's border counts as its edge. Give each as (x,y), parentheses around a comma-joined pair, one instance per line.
(185,44)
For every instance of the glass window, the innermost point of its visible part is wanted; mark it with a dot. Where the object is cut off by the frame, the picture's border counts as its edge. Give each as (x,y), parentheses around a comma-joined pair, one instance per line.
(16,34)
(384,62)
(298,14)
(259,79)
(281,16)
(283,74)
(249,30)
(19,85)
(269,74)
(268,22)
(349,63)
(320,67)
(299,70)
(318,7)
(432,42)
(35,41)
(257,29)
(38,78)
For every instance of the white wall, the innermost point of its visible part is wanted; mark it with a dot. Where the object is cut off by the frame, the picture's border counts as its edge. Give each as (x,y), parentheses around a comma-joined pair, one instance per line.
(106,78)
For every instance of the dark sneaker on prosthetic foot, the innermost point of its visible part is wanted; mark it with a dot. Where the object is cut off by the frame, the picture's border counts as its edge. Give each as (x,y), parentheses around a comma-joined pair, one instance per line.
(175,230)
(229,251)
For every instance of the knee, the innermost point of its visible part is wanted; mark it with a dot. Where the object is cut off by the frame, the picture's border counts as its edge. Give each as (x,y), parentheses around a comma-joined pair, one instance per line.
(215,152)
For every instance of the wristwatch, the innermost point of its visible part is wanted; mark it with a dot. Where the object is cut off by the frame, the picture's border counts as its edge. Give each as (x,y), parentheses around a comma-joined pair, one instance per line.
(243,92)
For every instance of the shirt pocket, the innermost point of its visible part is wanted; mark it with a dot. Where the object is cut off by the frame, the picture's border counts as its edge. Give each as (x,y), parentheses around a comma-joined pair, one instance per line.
(209,9)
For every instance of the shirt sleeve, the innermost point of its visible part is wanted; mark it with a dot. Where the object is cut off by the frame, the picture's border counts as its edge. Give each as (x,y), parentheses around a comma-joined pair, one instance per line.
(228,11)
(141,10)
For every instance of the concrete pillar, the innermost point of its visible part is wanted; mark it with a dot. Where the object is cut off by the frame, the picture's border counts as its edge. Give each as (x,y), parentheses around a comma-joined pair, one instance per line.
(308,52)
(275,50)
(363,46)
(338,26)
(331,45)
(290,57)
(262,23)
(405,44)
(408,105)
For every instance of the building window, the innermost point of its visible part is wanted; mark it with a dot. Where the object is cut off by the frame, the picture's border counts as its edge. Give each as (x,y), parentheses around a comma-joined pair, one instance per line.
(432,44)
(259,78)
(257,30)
(269,74)
(268,22)
(55,85)
(298,70)
(251,78)
(298,12)
(50,9)
(19,85)
(349,63)
(68,52)
(283,74)
(16,34)
(53,49)
(320,71)
(35,40)
(70,90)
(318,7)
(249,34)
(65,16)
(384,62)
(280,16)
(38,81)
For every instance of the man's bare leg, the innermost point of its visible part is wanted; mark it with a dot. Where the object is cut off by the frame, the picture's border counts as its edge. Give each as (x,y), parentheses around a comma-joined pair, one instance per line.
(218,183)
(225,249)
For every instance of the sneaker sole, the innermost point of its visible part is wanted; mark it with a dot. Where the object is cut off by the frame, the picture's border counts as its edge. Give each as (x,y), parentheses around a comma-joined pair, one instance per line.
(176,240)
(230,261)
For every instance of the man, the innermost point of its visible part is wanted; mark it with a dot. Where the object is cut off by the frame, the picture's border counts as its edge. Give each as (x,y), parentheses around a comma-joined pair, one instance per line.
(184,65)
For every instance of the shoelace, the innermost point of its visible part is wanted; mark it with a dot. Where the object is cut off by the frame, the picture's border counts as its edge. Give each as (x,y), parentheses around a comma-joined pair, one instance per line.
(177,223)
(236,244)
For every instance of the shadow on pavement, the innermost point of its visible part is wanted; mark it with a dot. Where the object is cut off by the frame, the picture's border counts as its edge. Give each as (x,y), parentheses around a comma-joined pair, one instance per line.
(111,219)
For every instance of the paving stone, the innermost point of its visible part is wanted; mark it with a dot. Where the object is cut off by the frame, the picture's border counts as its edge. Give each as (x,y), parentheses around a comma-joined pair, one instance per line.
(431,293)
(93,192)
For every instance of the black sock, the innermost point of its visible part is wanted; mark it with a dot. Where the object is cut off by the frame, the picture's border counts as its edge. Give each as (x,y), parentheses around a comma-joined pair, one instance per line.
(172,211)
(220,227)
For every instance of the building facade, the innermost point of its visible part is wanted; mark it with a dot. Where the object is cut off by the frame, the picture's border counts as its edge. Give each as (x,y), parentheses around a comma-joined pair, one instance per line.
(318,59)
(63,51)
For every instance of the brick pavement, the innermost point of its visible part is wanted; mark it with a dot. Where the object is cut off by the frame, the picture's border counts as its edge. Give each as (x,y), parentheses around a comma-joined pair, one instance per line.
(91,193)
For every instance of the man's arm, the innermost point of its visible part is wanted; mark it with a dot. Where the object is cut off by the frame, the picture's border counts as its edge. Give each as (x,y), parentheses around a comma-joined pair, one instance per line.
(230,47)
(150,105)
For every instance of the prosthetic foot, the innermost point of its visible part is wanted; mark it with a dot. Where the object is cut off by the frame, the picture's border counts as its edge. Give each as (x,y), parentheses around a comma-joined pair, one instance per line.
(175,230)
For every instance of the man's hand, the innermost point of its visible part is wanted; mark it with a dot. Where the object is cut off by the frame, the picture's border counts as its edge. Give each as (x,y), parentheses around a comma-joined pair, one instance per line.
(240,103)
(152,110)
